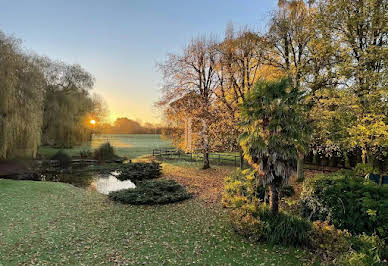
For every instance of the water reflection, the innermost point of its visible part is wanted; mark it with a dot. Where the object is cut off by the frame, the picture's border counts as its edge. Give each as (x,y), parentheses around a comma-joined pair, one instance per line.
(108,184)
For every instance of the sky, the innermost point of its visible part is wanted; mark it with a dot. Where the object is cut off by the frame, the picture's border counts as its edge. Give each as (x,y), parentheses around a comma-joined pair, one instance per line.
(120,41)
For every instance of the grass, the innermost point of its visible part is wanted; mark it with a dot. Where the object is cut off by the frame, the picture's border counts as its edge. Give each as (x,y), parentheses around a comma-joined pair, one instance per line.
(56,223)
(131,145)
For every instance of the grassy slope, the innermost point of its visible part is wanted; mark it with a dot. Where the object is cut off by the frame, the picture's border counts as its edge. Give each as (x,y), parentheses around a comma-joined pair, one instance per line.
(43,222)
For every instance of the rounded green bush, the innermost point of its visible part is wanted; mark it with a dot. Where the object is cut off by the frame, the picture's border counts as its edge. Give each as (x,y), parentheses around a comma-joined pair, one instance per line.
(347,202)
(151,192)
(139,171)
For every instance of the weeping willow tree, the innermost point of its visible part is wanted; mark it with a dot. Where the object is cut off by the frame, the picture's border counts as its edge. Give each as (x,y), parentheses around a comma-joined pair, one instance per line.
(21,101)
(68,105)
(42,101)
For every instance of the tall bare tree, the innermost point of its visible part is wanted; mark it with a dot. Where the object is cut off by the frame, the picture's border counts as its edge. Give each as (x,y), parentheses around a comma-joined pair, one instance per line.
(193,71)
(241,64)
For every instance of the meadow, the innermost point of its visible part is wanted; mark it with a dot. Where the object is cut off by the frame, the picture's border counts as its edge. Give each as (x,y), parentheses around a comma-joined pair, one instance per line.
(128,145)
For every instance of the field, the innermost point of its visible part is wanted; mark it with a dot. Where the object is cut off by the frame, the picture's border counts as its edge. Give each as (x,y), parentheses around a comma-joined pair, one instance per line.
(56,223)
(130,145)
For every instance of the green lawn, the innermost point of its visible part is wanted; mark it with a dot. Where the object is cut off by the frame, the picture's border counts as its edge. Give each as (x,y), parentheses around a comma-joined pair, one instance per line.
(130,145)
(46,223)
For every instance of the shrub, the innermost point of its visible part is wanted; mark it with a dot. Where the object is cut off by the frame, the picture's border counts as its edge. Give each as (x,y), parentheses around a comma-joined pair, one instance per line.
(254,220)
(284,228)
(364,169)
(86,154)
(105,152)
(328,241)
(286,191)
(63,158)
(259,223)
(139,171)
(151,192)
(241,188)
(365,250)
(246,225)
(346,202)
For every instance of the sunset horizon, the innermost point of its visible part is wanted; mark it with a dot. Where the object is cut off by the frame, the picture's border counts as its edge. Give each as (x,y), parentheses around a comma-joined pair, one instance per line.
(88,33)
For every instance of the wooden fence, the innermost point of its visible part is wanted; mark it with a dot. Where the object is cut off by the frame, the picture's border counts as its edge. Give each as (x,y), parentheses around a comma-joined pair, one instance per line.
(225,159)
(215,158)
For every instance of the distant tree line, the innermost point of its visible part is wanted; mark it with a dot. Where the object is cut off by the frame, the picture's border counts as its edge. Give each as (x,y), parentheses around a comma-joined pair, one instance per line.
(42,102)
(125,125)
(334,52)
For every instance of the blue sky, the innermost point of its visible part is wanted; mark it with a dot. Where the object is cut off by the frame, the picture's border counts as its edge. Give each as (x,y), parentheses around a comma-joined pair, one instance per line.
(120,41)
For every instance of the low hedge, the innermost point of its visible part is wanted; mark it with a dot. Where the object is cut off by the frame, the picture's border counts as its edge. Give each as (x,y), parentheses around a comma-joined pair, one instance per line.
(347,202)
(139,171)
(151,192)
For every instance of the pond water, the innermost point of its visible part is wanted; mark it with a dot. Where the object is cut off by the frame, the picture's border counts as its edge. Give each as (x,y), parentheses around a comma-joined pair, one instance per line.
(102,183)
(106,184)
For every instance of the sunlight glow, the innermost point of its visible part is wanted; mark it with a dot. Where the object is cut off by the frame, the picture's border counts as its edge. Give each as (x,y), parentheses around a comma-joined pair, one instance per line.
(93,122)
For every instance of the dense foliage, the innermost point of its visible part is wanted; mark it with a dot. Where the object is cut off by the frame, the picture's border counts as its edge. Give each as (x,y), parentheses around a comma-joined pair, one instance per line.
(347,202)
(241,187)
(42,101)
(63,158)
(251,218)
(151,192)
(105,152)
(340,247)
(21,101)
(259,223)
(139,171)
(364,250)
(275,133)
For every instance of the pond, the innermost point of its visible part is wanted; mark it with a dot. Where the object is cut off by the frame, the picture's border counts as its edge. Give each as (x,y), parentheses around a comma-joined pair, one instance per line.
(92,180)
(105,184)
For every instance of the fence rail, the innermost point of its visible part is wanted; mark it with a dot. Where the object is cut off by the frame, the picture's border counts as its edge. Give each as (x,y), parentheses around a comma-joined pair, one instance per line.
(215,158)
(226,159)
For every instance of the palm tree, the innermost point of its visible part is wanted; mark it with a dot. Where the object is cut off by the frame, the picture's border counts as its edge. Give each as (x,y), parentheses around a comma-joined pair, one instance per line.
(275,132)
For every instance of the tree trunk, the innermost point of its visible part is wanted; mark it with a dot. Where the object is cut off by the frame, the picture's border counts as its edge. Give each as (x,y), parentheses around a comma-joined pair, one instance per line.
(206,163)
(241,159)
(205,148)
(299,168)
(363,155)
(346,158)
(274,198)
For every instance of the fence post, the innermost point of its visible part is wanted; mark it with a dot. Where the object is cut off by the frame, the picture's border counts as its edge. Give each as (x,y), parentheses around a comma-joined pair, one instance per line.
(241,162)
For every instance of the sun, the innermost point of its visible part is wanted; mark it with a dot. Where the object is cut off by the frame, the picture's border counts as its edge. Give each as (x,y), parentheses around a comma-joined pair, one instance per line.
(93,122)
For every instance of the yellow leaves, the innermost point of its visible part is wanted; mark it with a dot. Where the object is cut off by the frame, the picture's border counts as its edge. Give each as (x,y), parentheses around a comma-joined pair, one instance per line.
(369,130)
